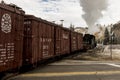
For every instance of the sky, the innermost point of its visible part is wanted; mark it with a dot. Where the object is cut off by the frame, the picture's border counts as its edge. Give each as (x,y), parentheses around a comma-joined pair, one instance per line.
(68,10)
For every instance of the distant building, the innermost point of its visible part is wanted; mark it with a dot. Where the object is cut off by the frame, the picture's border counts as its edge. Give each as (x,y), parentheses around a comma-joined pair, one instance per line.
(99,34)
(81,30)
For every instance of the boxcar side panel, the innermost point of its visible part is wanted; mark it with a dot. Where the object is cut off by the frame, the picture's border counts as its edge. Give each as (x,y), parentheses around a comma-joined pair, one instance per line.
(65,41)
(47,40)
(40,40)
(27,49)
(80,42)
(11,35)
(74,41)
(58,40)
(32,40)
(35,44)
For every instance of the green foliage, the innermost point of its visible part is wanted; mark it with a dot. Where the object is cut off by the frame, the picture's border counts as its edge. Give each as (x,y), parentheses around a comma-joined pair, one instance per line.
(106,37)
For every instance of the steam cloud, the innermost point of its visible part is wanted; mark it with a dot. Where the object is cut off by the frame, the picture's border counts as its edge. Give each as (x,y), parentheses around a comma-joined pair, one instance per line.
(93,11)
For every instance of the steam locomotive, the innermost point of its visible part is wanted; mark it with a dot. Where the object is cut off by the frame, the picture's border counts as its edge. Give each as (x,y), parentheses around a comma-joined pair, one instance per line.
(89,41)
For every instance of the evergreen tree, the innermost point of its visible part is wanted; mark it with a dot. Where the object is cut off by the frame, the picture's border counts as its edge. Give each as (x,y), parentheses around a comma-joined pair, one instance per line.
(106,37)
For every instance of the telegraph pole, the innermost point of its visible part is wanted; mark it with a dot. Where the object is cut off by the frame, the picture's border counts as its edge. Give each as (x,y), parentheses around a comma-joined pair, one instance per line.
(62,22)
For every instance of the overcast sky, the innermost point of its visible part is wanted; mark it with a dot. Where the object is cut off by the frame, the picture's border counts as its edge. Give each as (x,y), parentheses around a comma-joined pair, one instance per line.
(68,10)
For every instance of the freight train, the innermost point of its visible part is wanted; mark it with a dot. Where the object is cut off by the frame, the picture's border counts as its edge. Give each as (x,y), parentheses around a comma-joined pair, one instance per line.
(27,40)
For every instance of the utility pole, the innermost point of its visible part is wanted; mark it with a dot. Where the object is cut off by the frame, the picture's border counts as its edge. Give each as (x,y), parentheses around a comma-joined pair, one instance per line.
(111,37)
(53,21)
(62,22)
(111,48)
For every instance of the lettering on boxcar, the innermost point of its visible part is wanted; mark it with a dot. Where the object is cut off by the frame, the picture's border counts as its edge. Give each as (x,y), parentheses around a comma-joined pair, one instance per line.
(27,22)
(74,37)
(65,36)
(6,53)
(46,45)
(6,23)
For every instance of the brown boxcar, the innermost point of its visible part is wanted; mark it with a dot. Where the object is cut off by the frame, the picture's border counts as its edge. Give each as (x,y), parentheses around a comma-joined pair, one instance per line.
(65,40)
(57,41)
(11,36)
(80,41)
(62,40)
(74,41)
(38,40)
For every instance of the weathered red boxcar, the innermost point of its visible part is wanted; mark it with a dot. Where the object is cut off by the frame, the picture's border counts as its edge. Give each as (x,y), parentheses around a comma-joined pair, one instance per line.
(11,36)
(65,41)
(38,40)
(74,41)
(80,41)
(62,40)
(57,41)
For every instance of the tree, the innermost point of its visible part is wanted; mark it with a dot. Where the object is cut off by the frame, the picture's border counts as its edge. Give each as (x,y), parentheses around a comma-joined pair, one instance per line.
(106,37)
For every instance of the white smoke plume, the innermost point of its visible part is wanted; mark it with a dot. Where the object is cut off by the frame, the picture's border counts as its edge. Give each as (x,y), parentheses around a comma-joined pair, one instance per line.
(93,11)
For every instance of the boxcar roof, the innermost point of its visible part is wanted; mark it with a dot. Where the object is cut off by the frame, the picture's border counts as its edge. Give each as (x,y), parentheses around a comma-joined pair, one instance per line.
(11,8)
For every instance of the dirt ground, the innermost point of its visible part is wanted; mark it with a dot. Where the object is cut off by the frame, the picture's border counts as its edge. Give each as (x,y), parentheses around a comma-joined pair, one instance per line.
(98,54)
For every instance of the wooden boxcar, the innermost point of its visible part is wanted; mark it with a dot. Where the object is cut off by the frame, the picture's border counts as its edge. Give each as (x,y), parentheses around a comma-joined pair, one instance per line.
(74,41)
(57,41)
(80,41)
(65,41)
(11,36)
(38,40)
(62,40)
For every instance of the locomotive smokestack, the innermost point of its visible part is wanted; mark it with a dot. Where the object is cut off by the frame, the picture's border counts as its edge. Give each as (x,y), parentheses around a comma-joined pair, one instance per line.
(93,11)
